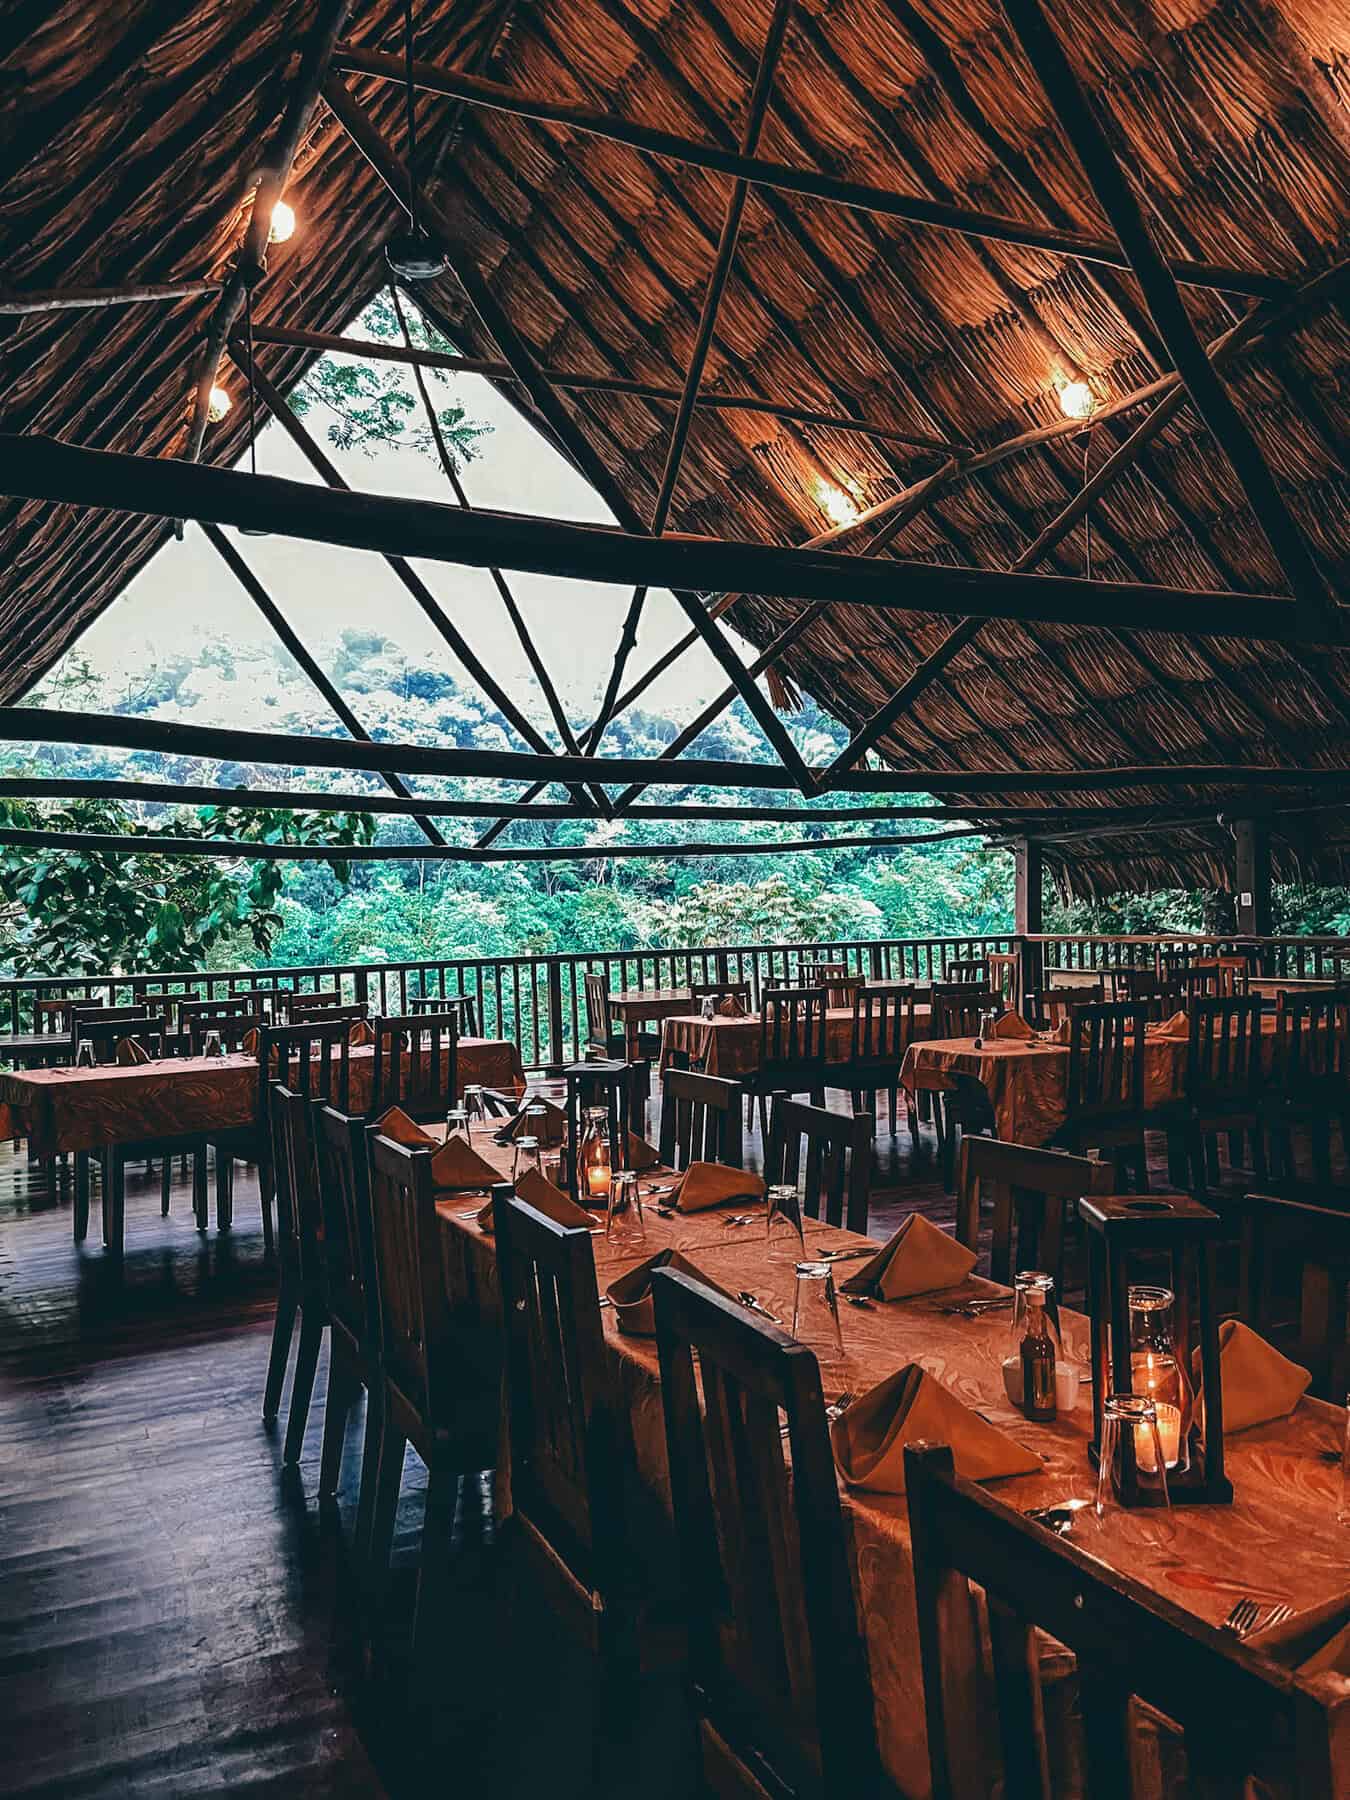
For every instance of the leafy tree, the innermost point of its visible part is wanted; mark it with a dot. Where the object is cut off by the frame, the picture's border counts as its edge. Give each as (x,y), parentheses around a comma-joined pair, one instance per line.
(367,404)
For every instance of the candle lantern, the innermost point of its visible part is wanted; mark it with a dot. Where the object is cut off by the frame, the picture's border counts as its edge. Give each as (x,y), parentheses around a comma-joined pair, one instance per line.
(597,1128)
(1144,1335)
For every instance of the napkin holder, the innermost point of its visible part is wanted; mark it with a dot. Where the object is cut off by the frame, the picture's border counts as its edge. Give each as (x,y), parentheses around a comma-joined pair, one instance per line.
(1119,1229)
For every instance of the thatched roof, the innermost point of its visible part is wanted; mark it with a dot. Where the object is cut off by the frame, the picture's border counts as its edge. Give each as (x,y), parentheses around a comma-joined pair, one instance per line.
(131,155)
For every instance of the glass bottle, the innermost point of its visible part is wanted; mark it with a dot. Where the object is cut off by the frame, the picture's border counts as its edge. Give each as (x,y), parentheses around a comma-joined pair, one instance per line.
(594,1167)
(1157,1374)
(1038,1360)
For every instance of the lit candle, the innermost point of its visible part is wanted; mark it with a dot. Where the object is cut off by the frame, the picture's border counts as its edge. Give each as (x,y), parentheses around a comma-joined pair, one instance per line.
(597,1179)
(1169,1437)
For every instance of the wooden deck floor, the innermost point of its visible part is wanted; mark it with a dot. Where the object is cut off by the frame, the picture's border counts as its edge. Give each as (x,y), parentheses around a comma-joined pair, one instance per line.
(175,1615)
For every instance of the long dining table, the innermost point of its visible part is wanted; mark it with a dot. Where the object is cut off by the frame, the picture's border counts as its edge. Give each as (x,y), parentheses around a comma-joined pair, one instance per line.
(1280,1536)
(729,1046)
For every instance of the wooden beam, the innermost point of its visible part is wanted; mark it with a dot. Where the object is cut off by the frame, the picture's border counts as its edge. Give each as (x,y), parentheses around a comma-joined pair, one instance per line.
(557,419)
(29,724)
(1252,884)
(1158,286)
(39,468)
(318,676)
(813,183)
(493,369)
(73,299)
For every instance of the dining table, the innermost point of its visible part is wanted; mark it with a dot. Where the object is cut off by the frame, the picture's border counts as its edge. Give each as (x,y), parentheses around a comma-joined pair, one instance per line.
(73,1109)
(632,1008)
(729,1045)
(1280,1537)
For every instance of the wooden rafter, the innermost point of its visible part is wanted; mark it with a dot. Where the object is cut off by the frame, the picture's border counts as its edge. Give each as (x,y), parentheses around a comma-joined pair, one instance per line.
(813,183)
(15,301)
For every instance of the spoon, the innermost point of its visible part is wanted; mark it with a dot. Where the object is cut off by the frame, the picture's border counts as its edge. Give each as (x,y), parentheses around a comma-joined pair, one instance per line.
(750,1300)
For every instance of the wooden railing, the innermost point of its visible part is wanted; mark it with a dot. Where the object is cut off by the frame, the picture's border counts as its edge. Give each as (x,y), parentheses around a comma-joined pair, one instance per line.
(537,1001)
(1294,958)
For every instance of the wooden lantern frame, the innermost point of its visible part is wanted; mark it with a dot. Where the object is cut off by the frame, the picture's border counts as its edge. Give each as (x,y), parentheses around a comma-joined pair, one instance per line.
(1121,1227)
(603,1082)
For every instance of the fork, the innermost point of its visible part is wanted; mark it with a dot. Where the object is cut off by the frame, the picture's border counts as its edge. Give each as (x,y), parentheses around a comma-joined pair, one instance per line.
(835,1410)
(755,1304)
(1243,1616)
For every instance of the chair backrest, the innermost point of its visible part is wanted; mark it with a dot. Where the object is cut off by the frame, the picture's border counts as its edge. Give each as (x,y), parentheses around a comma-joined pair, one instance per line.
(342,1171)
(1053,1005)
(1311,1052)
(955,1008)
(775,1653)
(311,1059)
(416,1064)
(565,1483)
(599,1021)
(821,974)
(233,1006)
(55,1018)
(720,990)
(1005,976)
(230,1027)
(1223,1054)
(1106,1059)
(883,1024)
(1302,1232)
(1211,977)
(301,1008)
(1234,1705)
(828,1153)
(299,1217)
(966,968)
(1028,1191)
(700,1120)
(792,1035)
(840,991)
(414,1313)
(464,1007)
(286,1001)
(107,1028)
(1143,986)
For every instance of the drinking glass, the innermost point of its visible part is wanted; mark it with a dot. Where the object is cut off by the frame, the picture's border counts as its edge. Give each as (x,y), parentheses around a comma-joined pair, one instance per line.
(456,1120)
(625,1227)
(536,1122)
(212,1045)
(784,1233)
(815,1311)
(526,1157)
(708,1010)
(1343,1507)
(473,1108)
(84,1056)
(1134,1414)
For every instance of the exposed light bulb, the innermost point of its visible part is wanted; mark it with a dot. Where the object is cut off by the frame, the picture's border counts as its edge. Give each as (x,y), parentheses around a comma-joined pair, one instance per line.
(1077,400)
(218,404)
(282,223)
(836,505)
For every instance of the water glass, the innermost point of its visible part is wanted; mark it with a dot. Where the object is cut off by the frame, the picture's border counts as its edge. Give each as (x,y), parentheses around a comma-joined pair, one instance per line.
(708,1009)
(526,1157)
(784,1234)
(456,1122)
(1343,1504)
(1137,1416)
(212,1045)
(84,1056)
(473,1108)
(815,1311)
(625,1227)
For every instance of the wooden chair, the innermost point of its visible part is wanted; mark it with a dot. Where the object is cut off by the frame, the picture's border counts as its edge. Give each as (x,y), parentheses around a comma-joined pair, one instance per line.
(883,1029)
(292,1006)
(1309,1084)
(839,993)
(55,1019)
(821,974)
(300,1269)
(958,1102)
(1005,977)
(1029,1191)
(1105,1080)
(791,1048)
(602,1036)
(301,1008)
(700,1120)
(1304,1232)
(1051,1006)
(837,1151)
(1223,1085)
(230,1027)
(717,991)
(972,969)
(1143,987)
(464,1006)
(416,1065)
(955,1008)
(1212,978)
(779,1678)
(1240,1712)
(423,1400)
(567,1528)
(103,1028)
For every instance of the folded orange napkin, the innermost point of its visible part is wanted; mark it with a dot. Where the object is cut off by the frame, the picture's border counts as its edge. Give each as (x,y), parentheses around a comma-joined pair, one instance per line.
(1258,1383)
(397,1125)
(908,1407)
(130,1052)
(458,1165)
(640,1153)
(634,1308)
(712,1184)
(1013,1027)
(918,1259)
(1063,1032)
(362,1032)
(552,1128)
(730,1008)
(249,1042)
(1178,1026)
(541,1194)
(1316,1642)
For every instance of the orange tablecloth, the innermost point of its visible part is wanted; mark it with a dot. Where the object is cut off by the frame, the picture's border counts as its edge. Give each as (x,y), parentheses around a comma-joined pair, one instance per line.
(730,1047)
(85,1109)
(1280,1530)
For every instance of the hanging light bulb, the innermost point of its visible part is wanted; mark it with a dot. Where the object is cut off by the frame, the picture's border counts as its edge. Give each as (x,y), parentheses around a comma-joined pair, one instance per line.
(218,404)
(282,223)
(1076,400)
(411,254)
(836,505)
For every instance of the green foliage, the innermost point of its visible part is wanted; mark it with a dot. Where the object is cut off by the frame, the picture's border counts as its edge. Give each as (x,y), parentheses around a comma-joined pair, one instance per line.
(68,912)
(368,404)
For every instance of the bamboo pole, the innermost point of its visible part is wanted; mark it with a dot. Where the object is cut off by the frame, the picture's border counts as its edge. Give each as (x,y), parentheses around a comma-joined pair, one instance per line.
(14,301)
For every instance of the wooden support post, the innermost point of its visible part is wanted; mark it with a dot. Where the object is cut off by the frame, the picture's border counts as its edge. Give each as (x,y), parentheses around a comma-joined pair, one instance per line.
(1028,914)
(1255,913)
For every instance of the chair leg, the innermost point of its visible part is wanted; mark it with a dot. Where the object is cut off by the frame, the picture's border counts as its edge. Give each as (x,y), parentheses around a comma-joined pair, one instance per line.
(343,1386)
(302,1382)
(892,1098)
(388,1482)
(165,1183)
(432,1608)
(283,1329)
(200,1205)
(224,1191)
(370,1475)
(80,1220)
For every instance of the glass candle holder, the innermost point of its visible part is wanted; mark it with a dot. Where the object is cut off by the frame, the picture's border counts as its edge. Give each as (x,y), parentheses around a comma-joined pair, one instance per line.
(1159,1375)
(625,1226)
(594,1164)
(784,1233)
(815,1312)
